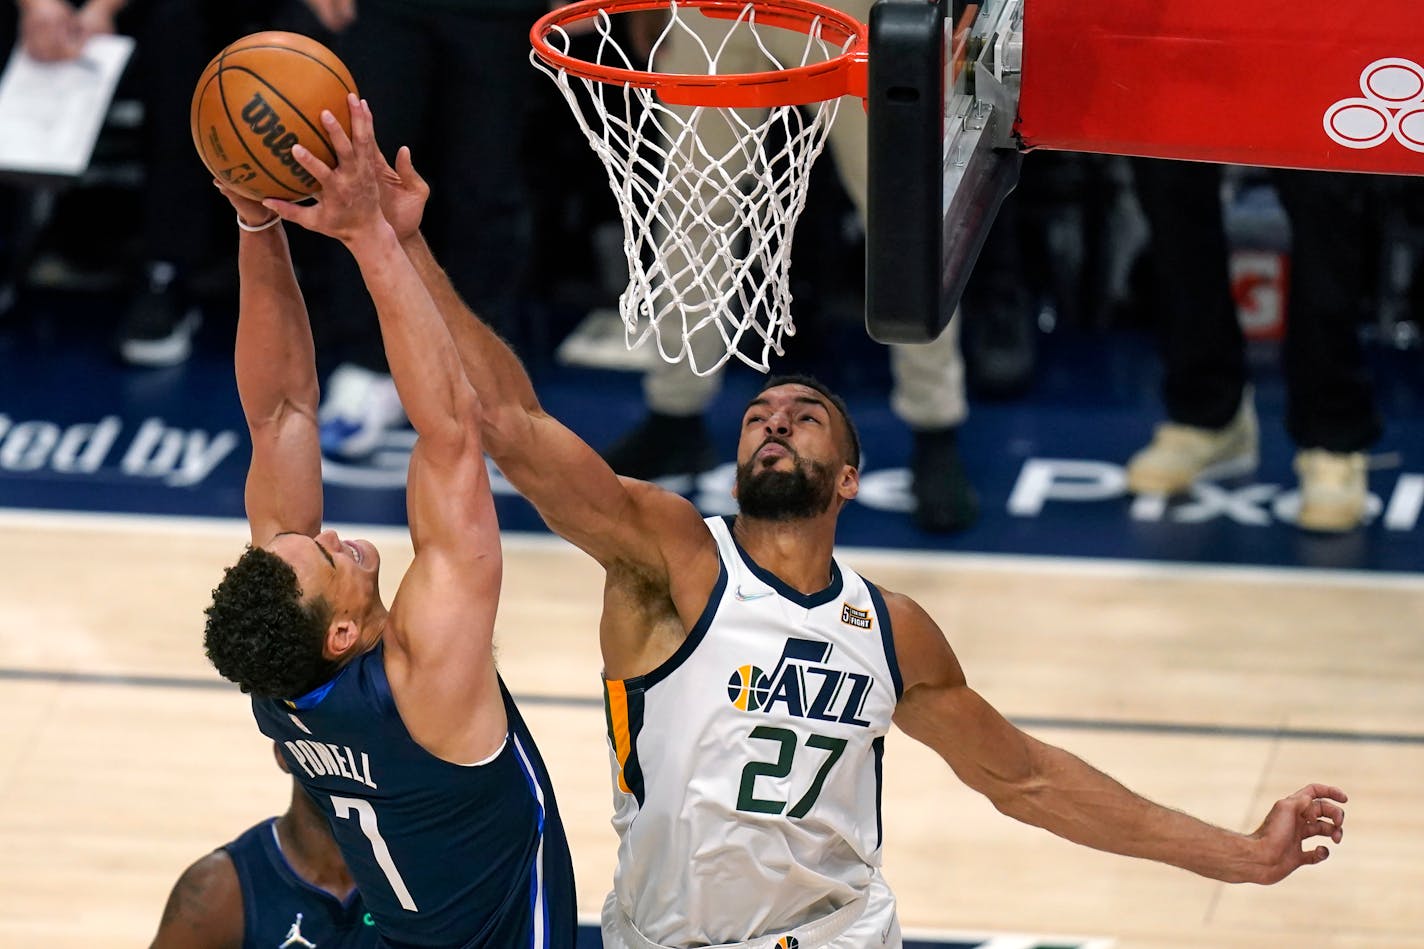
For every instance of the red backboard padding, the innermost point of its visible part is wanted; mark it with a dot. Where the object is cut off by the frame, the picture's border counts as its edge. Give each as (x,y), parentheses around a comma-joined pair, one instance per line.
(1239,81)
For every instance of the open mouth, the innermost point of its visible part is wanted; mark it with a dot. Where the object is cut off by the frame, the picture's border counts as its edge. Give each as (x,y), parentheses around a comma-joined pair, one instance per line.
(355,551)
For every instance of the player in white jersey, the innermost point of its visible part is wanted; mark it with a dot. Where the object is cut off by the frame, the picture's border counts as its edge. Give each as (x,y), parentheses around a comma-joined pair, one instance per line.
(771,717)
(750,678)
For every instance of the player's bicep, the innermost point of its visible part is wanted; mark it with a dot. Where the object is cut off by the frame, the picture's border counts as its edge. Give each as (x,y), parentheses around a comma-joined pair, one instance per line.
(204,910)
(984,749)
(283,489)
(447,602)
(442,618)
(448,501)
(574,490)
(440,654)
(940,710)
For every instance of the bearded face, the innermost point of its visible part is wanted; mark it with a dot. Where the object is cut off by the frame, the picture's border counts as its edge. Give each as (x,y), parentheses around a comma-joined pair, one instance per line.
(766,493)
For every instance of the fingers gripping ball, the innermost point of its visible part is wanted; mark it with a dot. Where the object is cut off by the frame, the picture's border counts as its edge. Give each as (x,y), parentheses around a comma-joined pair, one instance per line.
(259,97)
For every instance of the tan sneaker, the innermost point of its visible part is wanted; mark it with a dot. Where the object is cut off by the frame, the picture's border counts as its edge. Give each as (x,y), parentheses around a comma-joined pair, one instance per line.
(1333,494)
(1180,455)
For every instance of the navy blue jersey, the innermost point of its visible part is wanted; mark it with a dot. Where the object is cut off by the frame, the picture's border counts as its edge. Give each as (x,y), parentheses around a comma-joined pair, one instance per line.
(456,856)
(279,908)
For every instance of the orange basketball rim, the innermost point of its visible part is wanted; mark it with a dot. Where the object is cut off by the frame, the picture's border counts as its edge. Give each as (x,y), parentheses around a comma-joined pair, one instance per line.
(837,76)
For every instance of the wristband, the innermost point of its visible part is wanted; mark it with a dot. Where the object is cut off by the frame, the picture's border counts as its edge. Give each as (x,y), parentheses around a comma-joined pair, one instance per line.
(253,229)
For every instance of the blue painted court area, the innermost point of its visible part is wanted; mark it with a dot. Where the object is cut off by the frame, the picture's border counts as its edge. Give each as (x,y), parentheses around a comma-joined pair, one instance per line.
(80,432)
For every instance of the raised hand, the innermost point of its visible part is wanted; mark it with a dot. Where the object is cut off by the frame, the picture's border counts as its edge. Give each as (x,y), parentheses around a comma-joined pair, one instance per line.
(349,203)
(249,210)
(1313,811)
(403,194)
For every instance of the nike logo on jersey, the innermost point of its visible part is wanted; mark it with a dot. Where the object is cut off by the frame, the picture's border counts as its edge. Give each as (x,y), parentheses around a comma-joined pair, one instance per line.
(754,595)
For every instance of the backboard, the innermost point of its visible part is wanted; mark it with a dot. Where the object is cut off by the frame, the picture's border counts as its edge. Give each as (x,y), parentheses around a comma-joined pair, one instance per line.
(942,101)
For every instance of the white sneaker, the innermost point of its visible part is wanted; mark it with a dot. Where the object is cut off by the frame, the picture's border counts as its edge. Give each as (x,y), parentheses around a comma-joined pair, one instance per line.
(600,341)
(1180,455)
(359,408)
(1333,493)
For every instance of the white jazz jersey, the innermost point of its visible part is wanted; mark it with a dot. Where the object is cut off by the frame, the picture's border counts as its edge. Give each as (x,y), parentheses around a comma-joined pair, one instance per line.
(747,768)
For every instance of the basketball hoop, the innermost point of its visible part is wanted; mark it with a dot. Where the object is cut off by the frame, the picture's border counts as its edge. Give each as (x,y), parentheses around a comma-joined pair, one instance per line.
(707,228)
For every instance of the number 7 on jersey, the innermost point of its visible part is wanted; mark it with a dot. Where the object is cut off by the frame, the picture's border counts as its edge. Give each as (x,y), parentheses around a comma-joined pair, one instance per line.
(367,816)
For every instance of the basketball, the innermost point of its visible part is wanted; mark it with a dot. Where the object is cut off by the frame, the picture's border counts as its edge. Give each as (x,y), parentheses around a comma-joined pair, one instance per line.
(257,98)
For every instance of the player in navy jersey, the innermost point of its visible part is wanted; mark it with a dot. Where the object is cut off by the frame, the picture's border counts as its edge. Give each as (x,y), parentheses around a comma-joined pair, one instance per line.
(394,720)
(282,883)
(750,677)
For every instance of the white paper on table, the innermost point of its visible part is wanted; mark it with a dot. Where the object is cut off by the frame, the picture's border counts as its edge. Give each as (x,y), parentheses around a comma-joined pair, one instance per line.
(51,113)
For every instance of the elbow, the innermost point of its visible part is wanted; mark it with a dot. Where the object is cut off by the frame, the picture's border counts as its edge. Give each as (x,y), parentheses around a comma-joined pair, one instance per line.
(504,430)
(449,418)
(1024,784)
(1026,798)
(465,409)
(276,415)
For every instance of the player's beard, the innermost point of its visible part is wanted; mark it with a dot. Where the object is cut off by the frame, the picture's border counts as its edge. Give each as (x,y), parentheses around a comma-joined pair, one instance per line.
(772,495)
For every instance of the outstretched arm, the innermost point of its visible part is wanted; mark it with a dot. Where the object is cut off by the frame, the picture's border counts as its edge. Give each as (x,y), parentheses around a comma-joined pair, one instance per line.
(204,910)
(276,381)
(616,520)
(440,654)
(1046,786)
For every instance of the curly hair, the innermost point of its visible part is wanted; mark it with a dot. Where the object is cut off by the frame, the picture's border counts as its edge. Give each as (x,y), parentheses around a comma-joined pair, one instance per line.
(259,632)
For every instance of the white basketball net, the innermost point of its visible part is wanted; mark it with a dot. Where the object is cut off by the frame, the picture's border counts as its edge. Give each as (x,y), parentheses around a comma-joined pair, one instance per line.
(707,232)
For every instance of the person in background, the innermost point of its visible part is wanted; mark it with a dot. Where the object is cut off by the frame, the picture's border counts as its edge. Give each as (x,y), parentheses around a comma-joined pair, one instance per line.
(282,882)
(928,379)
(1211,429)
(163,311)
(449,79)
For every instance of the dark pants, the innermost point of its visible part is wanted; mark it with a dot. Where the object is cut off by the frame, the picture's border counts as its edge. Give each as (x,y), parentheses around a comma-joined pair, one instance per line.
(174,40)
(1330,404)
(452,86)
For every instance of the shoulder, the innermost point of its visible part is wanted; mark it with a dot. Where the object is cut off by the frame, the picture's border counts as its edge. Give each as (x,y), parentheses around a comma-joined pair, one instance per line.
(205,907)
(684,541)
(904,611)
(673,516)
(921,648)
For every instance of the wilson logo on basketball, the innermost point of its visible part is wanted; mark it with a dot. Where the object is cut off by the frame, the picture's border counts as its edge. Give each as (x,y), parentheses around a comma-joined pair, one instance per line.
(803,686)
(263,120)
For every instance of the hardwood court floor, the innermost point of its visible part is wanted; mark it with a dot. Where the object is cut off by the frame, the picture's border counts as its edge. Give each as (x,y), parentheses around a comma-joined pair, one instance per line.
(123,757)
